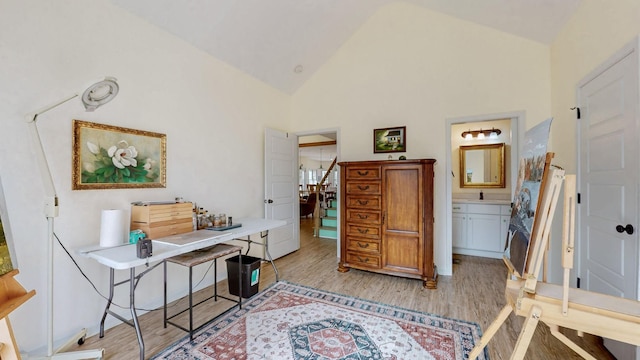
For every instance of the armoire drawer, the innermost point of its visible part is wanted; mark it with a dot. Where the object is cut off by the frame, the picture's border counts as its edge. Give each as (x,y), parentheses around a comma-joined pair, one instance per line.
(363,173)
(372,232)
(364,188)
(362,216)
(363,202)
(360,259)
(364,245)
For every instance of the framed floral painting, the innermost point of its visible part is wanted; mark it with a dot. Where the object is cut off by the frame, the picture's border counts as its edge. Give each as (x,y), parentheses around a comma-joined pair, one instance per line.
(112,157)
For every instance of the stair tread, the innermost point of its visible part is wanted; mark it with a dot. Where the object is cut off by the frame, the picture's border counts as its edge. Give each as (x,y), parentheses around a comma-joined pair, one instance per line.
(333,228)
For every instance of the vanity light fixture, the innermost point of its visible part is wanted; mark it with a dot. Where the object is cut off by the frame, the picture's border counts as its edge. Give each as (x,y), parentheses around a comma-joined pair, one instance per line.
(481,134)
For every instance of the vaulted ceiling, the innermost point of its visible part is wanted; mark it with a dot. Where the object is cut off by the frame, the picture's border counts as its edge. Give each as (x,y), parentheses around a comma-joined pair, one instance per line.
(283,42)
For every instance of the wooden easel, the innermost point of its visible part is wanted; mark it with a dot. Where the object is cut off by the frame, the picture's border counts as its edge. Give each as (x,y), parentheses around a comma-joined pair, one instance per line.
(12,295)
(559,305)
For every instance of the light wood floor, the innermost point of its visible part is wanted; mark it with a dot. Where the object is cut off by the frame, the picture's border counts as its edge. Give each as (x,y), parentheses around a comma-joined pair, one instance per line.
(474,293)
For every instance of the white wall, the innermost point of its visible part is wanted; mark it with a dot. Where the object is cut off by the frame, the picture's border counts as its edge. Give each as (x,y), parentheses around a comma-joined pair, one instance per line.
(408,66)
(213,115)
(595,32)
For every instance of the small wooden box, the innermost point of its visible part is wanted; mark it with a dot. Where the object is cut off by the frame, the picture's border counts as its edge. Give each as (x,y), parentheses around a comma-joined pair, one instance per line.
(160,220)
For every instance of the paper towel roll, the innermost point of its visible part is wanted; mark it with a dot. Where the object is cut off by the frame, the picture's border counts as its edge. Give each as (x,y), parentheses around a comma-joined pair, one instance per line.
(112,228)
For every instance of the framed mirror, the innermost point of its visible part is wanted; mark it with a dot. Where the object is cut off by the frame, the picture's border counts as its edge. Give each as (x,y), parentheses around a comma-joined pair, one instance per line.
(482,166)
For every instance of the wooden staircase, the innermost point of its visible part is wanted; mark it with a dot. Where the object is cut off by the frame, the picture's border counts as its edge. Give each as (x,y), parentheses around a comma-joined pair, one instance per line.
(326,225)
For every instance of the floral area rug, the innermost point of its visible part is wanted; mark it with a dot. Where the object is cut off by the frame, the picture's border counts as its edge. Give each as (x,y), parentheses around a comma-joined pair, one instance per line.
(289,321)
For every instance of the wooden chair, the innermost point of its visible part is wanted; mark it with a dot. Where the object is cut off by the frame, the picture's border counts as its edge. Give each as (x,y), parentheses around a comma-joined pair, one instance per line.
(559,305)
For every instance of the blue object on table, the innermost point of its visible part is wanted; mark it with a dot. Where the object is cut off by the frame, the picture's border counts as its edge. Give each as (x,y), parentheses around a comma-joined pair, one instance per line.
(136,235)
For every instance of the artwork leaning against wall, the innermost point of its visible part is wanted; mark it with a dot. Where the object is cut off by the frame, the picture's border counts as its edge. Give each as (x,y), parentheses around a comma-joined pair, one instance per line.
(6,245)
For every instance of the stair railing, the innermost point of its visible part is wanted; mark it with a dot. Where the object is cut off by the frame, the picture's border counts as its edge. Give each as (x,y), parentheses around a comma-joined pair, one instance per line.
(316,210)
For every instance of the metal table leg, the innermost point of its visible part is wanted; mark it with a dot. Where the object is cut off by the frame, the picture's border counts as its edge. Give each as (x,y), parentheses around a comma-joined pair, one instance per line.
(106,309)
(265,242)
(132,301)
(265,236)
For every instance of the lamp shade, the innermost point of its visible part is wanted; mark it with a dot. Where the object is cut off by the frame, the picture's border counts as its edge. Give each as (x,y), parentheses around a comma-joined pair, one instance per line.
(100,93)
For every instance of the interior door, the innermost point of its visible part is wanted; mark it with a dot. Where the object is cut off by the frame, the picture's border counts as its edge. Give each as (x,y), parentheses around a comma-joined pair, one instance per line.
(608,158)
(281,190)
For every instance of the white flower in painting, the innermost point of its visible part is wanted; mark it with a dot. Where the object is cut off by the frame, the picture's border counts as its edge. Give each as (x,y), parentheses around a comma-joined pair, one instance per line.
(93,148)
(148,165)
(89,167)
(123,155)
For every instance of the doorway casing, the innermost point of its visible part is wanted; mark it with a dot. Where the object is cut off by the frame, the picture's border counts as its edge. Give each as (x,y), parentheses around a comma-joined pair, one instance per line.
(517,129)
(335,131)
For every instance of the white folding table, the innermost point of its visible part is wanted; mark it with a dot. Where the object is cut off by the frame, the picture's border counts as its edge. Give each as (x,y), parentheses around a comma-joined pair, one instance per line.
(124,257)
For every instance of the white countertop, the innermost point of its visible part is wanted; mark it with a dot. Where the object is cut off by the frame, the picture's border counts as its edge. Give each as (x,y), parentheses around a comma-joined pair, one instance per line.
(478,201)
(125,257)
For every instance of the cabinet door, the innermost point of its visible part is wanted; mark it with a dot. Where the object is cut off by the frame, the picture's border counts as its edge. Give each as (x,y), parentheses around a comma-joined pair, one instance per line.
(504,230)
(484,232)
(459,231)
(402,217)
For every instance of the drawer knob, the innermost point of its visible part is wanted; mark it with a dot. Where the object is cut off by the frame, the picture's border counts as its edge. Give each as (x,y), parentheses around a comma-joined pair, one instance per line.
(363,188)
(363,231)
(363,245)
(363,202)
(364,260)
(363,216)
(363,173)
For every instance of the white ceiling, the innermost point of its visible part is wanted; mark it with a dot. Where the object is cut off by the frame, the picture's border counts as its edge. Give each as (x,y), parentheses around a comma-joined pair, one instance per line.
(268,39)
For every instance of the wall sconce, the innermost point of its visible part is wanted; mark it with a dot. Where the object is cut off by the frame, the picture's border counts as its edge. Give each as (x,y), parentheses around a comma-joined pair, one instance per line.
(481,134)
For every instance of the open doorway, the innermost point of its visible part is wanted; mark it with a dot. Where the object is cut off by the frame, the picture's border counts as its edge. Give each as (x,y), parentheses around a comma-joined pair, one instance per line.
(511,134)
(316,152)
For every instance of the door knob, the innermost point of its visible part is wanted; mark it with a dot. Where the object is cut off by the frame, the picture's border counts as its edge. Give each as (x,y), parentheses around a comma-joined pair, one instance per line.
(628,229)
(268,201)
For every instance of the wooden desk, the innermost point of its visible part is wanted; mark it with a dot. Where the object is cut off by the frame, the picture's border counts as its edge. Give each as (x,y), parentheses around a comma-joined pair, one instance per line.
(124,258)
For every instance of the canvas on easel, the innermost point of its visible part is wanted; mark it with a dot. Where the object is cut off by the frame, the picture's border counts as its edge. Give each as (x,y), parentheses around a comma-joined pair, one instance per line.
(533,165)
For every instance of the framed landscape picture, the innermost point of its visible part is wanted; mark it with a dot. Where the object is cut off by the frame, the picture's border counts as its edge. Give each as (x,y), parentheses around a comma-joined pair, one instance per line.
(389,140)
(112,157)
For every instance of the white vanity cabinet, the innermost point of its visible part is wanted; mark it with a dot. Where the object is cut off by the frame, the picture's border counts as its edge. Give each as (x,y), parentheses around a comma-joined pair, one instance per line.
(480,229)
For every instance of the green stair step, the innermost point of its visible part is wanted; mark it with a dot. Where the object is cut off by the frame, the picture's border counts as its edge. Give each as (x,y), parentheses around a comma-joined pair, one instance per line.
(332,212)
(329,221)
(328,232)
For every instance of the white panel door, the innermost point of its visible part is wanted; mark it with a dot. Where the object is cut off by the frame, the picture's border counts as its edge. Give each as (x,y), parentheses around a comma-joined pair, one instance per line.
(608,160)
(281,191)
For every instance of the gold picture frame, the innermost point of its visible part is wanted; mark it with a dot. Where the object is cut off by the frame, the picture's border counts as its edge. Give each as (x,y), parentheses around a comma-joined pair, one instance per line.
(113,157)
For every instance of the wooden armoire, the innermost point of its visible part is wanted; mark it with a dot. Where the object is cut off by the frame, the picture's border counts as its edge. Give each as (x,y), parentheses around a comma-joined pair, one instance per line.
(387,218)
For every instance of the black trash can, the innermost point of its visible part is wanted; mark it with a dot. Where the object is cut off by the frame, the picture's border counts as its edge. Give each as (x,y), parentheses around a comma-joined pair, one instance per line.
(250,275)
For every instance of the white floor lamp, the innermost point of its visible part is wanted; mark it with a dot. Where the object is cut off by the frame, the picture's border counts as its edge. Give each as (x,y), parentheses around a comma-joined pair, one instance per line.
(93,97)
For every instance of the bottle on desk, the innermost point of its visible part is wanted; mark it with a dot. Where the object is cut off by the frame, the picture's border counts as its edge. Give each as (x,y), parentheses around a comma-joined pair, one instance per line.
(195,220)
